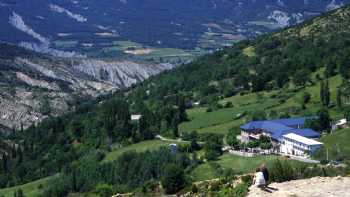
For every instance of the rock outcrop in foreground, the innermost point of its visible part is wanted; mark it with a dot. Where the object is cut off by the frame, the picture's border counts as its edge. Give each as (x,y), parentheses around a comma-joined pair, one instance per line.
(317,186)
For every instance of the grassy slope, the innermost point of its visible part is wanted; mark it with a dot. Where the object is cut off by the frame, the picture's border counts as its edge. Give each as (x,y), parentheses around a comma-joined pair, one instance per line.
(139,147)
(338,141)
(222,120)
(227,161)
(30,189)
(240,165)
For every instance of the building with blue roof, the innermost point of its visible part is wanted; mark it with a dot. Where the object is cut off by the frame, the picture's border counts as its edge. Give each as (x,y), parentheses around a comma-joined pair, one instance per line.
(277,128)
(288,135)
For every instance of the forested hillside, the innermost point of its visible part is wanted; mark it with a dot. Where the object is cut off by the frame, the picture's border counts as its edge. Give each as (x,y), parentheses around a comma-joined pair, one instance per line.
(266,72)
(269,62)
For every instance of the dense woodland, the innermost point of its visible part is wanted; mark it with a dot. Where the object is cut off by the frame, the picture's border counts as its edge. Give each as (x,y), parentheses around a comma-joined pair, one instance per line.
(75,144)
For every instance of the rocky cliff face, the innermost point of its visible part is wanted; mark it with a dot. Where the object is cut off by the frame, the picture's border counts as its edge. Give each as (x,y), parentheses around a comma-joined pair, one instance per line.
(317,186)
(122,74)
(33,86)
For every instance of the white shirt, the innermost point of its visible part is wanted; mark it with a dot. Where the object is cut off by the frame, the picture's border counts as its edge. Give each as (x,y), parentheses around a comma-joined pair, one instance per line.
(259,179)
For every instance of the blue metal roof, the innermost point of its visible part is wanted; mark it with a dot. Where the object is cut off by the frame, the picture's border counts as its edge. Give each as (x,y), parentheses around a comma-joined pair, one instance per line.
(278,128)
(309,133)
(293,121)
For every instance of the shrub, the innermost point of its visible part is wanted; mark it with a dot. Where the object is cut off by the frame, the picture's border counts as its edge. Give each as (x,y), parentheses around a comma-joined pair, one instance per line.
(306,97)
(193,135)
(231,137)
(214,186)
(174,179)
(259,115)
(266,146)
(104,190)
(194,188)
(240,190)
(324,161)
(248,179)
(228,105)
(282,171)
(150,186)
(228,175)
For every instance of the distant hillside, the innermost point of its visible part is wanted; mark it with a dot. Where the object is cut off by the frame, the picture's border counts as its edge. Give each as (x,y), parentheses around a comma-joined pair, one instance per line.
(90,26)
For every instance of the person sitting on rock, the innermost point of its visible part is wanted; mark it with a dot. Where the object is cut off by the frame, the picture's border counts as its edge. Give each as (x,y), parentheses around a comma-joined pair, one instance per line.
(265,172)
(259,179)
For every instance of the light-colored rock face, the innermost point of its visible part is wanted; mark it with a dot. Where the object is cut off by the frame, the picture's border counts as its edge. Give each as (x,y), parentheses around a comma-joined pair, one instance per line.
(38,83)
(41,87)
(25,108)
(122,74)
(314,187)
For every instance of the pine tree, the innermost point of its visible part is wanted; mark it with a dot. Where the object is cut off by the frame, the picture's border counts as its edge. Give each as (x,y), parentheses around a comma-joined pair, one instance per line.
(322,94)
(14,151)
(4,162)
(339,99)
(19,193)
(327,94)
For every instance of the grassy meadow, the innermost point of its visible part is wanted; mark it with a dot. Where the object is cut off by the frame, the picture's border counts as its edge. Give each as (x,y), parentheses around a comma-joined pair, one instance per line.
(286,100)
(32,189)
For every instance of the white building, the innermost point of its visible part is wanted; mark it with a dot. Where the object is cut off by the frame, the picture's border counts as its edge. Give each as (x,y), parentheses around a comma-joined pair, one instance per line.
(136,117)
(342,123)
(293,144)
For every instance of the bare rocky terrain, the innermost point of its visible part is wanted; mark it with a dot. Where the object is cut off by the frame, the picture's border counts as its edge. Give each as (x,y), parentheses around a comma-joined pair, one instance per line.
(33,86)
(317,186)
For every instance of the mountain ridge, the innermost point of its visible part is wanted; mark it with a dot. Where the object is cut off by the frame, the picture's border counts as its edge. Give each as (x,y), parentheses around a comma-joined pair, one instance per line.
(173,24)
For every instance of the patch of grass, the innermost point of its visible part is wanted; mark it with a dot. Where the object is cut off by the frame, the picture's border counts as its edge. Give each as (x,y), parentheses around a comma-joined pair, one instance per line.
(167,52)
(266,24)
(124,45)
(249,51)
(221,128)
(240,165)
(337,145)
(30,189)
(222,120)
(139,147)
(65,43)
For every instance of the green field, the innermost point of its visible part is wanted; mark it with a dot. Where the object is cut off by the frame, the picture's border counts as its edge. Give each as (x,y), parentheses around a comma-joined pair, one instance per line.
(249,51)
(139,147)
(65,43)
(266,24)
(124,45)
(154,54)
(220,121)
(31,189)
(238,164)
